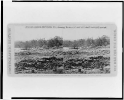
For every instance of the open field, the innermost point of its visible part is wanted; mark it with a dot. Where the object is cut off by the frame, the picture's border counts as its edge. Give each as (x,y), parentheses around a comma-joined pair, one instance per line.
(63,61)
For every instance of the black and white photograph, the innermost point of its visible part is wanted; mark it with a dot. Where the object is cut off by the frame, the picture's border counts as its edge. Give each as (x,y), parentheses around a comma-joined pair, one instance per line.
(62,49)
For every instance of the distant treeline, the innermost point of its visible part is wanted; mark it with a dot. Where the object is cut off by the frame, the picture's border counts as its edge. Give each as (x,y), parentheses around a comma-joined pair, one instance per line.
(59,42)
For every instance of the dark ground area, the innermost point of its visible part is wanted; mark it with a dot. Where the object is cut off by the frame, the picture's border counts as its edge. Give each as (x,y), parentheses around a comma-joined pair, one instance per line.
(54,65)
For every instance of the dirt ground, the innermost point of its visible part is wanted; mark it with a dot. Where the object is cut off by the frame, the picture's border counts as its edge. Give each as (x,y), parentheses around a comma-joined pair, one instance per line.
(63,61)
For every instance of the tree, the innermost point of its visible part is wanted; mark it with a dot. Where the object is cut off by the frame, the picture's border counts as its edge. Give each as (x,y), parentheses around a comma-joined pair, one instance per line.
(55,42)
(75,44)
(27,45)
(51,43)
(67,43)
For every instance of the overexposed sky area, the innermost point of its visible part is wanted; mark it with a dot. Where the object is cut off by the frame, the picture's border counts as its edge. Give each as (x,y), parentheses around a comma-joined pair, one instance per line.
(22,33)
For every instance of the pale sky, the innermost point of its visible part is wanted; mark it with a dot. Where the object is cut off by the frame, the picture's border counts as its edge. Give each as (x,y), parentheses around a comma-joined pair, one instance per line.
(24,34)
